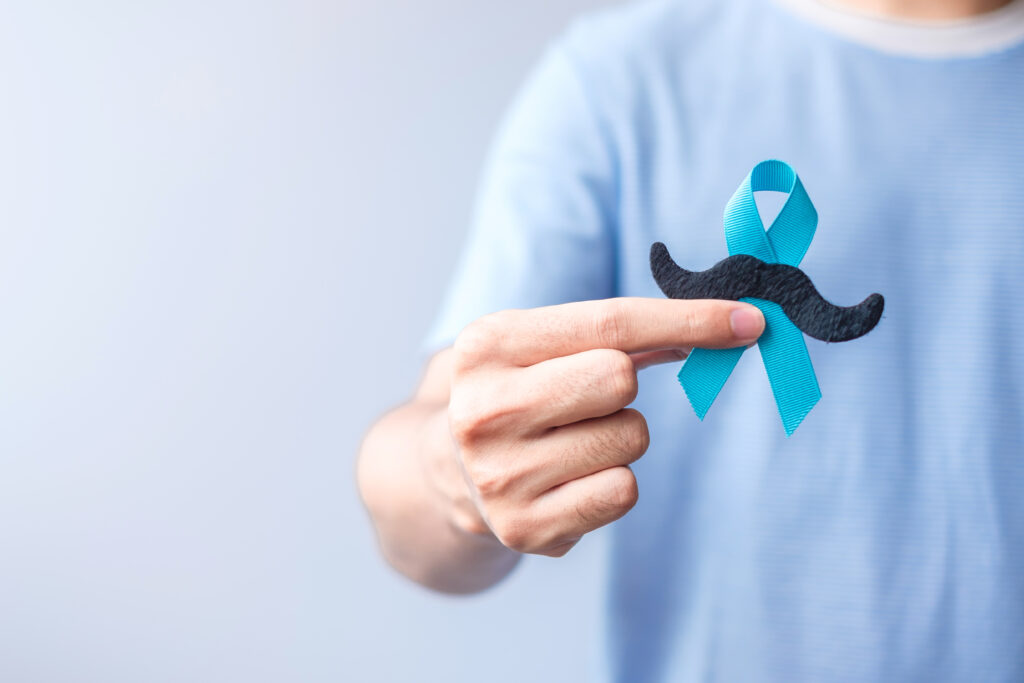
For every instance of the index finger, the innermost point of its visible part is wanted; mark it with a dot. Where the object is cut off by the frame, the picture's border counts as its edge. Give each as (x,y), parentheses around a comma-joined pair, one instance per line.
(628,324)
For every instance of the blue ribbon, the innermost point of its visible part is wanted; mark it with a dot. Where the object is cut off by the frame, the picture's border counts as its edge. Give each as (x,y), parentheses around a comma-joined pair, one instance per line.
(782,347)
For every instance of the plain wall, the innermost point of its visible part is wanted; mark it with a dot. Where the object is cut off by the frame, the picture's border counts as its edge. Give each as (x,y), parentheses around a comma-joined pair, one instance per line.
(224,228)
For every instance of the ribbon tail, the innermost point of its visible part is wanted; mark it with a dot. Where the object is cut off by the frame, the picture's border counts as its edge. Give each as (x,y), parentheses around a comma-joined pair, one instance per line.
(704,374)
(788,365)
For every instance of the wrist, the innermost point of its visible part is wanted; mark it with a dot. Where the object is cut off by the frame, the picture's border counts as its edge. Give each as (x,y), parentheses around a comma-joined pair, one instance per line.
(446,481)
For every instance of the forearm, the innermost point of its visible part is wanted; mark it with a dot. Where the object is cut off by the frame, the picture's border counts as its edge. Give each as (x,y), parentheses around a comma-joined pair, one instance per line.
(426,525)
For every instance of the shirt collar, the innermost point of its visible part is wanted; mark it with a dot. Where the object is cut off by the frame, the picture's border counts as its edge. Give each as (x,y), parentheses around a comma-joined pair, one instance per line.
(971,37)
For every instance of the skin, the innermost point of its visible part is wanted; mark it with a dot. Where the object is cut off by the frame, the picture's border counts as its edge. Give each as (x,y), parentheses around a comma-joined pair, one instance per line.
(519,440)
(927,10)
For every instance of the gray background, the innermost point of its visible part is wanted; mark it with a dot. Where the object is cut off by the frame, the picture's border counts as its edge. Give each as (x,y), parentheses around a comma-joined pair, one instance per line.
(225,227)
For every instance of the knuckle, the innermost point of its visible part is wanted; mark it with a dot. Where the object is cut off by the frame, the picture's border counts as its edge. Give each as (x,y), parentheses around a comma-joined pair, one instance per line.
(515,533)
(466,421)
(475,422)
(481,339)
(708,324)
(622,492)
(635,433)
(610,323)
(490,482)
(480,409)
(622,437)
(622,376)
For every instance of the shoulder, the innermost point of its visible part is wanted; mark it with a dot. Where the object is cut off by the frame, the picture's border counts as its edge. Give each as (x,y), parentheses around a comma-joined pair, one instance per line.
(642,31)
(623,52)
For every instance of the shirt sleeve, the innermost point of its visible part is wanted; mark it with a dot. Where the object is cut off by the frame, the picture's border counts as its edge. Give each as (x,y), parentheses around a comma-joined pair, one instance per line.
(542,229)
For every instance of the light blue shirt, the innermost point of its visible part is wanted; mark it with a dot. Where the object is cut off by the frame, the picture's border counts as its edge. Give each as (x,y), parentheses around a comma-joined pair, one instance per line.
(884,541)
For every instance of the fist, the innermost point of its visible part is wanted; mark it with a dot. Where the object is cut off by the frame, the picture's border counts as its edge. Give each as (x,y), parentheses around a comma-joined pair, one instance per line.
(538,408)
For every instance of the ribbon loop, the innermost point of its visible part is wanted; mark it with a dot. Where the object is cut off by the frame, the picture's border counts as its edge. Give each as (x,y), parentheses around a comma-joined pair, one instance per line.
(782,346)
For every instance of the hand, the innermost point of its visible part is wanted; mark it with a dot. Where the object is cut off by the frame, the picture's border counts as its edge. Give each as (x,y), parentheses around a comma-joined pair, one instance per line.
(538,408)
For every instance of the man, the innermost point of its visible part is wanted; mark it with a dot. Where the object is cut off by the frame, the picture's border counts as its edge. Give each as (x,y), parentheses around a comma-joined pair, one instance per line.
(883,541)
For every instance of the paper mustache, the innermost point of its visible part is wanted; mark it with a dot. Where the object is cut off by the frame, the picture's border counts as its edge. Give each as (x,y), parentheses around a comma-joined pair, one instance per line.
(740,276)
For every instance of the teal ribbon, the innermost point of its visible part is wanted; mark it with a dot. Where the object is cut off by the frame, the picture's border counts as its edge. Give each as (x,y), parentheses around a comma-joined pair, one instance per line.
(782,347)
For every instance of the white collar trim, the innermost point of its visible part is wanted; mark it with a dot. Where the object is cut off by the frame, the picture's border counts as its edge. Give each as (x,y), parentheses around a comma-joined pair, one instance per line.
(971,37)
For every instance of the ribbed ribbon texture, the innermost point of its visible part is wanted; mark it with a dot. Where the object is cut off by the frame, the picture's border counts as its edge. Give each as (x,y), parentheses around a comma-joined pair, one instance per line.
(782,347)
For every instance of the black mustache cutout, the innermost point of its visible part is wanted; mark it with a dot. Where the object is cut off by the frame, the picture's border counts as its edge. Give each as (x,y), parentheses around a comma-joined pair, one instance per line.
(741,276)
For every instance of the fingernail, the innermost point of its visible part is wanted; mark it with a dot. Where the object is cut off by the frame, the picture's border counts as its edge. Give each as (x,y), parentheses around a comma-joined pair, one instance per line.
(747,323)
